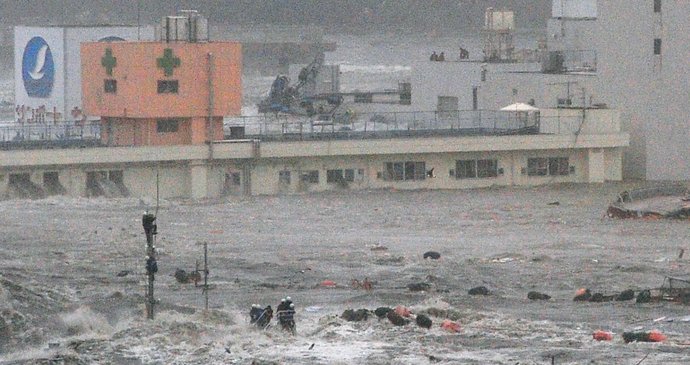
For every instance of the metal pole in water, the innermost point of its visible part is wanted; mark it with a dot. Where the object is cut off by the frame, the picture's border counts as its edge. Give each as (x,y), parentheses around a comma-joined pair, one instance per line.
(206,275)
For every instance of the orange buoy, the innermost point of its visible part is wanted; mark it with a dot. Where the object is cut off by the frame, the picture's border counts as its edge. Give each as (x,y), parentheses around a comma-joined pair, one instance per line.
(451,326)
(656,336)
(328,283)
(402,311)
(600,335)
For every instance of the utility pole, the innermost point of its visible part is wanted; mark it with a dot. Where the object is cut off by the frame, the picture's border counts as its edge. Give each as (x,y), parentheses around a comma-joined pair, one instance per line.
(206,275)
(148,220)
(150,229)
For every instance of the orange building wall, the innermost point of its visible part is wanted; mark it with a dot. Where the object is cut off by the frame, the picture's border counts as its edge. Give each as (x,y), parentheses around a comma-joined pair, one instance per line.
(137,76)
(143,132)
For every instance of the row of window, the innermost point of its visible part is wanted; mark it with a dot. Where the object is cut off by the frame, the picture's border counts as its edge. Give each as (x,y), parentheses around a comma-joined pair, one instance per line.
(332,176)
(416,170)
(164,86)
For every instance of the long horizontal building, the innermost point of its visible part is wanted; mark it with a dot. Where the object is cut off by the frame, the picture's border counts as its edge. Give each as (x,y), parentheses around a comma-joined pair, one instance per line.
(568,145)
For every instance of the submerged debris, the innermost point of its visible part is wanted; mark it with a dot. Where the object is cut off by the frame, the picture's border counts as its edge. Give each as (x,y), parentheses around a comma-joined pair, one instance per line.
(652,336)
(397,319)
(432,255)
(533,295)
(352,315)
(381,312)
(479,290)
(419,286)
(658,202)
(423,321)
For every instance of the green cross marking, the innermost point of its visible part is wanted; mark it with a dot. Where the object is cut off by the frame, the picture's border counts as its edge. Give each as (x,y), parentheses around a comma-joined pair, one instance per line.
(168,62)
(108,61)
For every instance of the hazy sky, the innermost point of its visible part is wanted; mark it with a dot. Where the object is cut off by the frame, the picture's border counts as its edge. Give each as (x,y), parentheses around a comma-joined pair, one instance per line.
(330,14)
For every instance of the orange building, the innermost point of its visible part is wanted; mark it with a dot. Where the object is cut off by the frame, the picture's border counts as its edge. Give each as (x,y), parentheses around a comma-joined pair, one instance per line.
(157,93)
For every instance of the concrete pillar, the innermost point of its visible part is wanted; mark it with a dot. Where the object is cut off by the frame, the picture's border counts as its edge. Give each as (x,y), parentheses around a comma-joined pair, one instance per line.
(4,179)
(198,170)
(595,165)
(74,182)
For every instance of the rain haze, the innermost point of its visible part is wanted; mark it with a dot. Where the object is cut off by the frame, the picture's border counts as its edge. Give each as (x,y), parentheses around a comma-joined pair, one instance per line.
(407,227)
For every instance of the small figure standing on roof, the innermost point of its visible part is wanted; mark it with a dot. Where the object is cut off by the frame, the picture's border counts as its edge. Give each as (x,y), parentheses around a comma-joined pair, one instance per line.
(441,57)
(434,57)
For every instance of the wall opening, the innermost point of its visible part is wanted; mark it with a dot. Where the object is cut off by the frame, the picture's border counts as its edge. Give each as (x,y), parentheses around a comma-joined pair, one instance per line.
(20,186)
(51,183)
(109,184)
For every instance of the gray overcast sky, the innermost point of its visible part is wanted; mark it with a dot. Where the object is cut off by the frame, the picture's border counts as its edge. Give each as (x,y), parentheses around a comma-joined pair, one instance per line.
(330,14)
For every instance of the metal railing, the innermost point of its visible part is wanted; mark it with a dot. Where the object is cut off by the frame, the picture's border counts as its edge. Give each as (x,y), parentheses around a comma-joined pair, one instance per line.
(395,124)
(62,134)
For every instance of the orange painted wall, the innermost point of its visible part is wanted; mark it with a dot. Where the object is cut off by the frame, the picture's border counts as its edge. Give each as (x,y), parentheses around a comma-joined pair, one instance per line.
(143,132)
(137,76)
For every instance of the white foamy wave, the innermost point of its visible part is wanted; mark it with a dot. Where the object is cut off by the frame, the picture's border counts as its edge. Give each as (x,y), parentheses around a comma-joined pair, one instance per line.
(83,321)
(374,69)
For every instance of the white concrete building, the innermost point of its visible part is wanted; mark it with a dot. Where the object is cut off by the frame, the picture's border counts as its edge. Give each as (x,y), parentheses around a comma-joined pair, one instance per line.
(47,66)
(567,146)
(628,55)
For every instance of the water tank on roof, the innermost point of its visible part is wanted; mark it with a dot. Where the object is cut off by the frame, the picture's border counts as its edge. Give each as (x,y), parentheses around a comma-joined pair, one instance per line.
(187,26)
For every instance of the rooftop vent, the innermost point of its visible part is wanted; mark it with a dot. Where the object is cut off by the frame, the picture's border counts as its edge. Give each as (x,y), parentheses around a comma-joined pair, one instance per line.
(187,26)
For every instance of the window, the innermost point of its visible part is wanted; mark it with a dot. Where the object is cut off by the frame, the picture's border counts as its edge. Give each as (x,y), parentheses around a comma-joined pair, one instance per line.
(349,175)
(405,93)
(236,178)
(465,169)
(167,126)
(167,86)
(110,86)
(334,176)
(537,166)
(558,166)
(469,169)
(338,176)
(284,177)
(554,166)
(402,171)
(487,168)
(311,177)
(657,46)
(363,98)
(657,6)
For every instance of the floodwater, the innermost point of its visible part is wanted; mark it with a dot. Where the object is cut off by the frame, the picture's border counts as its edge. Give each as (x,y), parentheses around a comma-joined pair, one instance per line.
(60,258)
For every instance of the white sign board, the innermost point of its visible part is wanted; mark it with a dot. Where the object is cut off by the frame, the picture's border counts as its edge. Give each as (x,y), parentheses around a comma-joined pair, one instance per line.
(39,70)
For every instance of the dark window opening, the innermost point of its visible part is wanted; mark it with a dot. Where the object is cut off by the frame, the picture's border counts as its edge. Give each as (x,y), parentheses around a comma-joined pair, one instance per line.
(363,98)
(465,169)
(537,166)
(559,166)
(311,177)
(657,6)
(334,176)
(402,171)
(167,86)
(487,168)
(339,176)
(167,126)
(110,86)
(284,177)
(657,46)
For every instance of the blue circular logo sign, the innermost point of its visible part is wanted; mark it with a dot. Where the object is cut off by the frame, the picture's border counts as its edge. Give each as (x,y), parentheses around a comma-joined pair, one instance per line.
(38,68)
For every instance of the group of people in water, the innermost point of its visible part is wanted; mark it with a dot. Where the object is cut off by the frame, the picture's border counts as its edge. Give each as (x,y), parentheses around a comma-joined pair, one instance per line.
(285,313)
(437,57)
(464,54)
